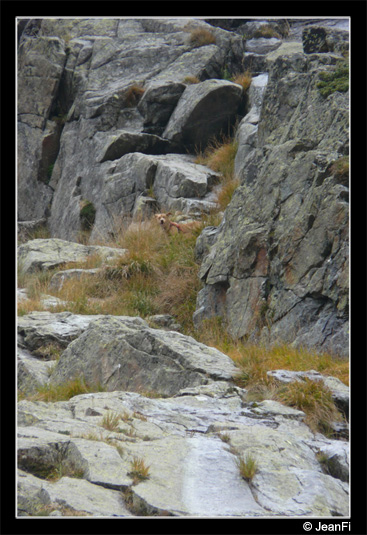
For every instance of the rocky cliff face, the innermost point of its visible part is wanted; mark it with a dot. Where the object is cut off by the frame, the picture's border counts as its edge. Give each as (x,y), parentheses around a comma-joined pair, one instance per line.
(107,109)
(110,113)
(277,267)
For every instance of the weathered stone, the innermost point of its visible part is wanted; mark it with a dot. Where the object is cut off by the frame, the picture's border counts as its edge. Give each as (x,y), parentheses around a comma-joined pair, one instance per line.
(124,353)
(321,39)
(100,71)
(203,111)
(40,66)
(126,142)
(43,254)
(31,372)
(177,183)
(82,496)
(190,471)
(38,329)
(261,45)
(280,281)
(159,101)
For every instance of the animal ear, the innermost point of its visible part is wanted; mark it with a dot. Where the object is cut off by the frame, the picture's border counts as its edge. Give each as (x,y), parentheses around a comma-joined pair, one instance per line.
(169,213)
(157,215)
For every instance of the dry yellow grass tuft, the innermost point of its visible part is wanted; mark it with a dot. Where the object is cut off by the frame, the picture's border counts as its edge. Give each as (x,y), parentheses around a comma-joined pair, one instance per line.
(201,37)
(243,79)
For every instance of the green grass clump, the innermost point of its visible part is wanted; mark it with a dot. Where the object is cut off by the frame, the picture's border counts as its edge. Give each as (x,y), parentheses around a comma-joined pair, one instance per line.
(338,80)
(87,215)
(110,421)
(247,467)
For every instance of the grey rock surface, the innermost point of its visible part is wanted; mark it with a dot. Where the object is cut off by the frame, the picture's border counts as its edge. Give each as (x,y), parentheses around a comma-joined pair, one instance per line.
(203,111)
(124,353)
(269,278)
(192,472)
(108,109)
(43,254)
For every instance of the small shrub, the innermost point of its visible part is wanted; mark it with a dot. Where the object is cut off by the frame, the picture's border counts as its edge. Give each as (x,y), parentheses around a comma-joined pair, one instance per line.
(220,156)
(247,467)
(65,470)
(201,37)
(340,168)
(267,31)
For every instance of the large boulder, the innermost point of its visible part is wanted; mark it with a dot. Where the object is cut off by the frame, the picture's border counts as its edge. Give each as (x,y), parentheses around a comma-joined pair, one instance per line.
(203,111)
(123,353)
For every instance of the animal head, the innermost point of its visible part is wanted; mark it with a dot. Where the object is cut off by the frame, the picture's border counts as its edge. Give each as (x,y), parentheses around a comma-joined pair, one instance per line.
(163,218)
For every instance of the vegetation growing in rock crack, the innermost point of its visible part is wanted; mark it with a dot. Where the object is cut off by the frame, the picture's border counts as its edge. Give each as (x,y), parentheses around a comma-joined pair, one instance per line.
(247,466)
(201,37)
(110,421)
(139,471)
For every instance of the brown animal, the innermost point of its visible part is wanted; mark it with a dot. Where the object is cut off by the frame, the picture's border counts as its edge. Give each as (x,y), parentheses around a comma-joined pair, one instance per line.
(166,223)
(170,226)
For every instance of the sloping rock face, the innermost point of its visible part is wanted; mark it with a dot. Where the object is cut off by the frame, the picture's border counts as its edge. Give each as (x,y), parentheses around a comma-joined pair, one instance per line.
(81,457)
(278,266)
(109,90)
(192,472)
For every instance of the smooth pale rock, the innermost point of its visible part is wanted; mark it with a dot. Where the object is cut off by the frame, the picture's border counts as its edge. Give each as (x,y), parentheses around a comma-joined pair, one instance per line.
(191,471)
(206,482)
(31,372)
(261,45)
(83,496)
(43,254)
(105,466)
